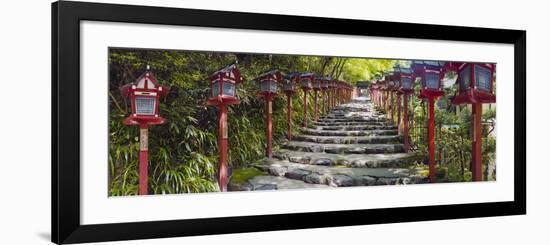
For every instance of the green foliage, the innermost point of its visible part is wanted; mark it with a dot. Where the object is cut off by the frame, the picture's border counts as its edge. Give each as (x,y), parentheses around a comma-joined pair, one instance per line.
(365,69)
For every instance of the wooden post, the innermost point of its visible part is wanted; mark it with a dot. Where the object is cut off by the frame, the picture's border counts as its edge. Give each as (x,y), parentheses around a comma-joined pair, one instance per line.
(289,115)
(328,100)
(406,122)
(315,92)
(412,114)
(431,138)
(398,112)
(384,102)
(334,98)
(392,107)
(324,102)
(268,126)
(143,158)
(380,100)
(388,104)
(222,138)
(476,142)
(305,107)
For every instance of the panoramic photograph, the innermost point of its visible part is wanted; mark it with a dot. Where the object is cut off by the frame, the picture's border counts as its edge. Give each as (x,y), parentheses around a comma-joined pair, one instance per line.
(197,121)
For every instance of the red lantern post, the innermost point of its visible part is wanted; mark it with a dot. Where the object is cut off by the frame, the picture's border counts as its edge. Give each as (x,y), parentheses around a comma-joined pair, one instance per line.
(475,86)
(391,88)
(324,89)
(144,95)
(341,87)
(351,92)
(380,92)
(334,92)
(306,80)
(375,90)
(344,93)
(405,87)
(398,111)
(384,91)
(431,75)
(397,102)
(223,92)
(379,95)
(268,90)
(289,87)
(372,94)
(329,92)
(338,91)
(316,84)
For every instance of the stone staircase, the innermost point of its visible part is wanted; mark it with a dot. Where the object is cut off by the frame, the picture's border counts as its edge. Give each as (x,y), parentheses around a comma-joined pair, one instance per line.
(354,145)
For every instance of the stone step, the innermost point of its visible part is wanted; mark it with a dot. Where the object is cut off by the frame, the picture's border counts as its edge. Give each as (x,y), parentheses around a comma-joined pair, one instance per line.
(270,182)
(355,127)
(354,107)
(384,139)
(359,118)
(353,111)
(374,132)
(351,160)
(338,176)
(351,119)
(346,123)
(343,148)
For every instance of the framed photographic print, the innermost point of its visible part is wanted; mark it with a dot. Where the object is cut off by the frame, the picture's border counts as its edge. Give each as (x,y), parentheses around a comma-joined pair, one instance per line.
(176,122)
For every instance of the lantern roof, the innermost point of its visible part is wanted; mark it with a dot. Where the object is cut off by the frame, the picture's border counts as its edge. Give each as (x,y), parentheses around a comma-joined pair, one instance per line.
(401,70)
(307,74)
(230,72)
(292,75)
(422,65)
(274,74)
(146,81)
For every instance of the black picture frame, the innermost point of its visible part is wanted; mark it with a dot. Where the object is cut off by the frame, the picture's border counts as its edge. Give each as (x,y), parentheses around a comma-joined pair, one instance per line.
(66,18)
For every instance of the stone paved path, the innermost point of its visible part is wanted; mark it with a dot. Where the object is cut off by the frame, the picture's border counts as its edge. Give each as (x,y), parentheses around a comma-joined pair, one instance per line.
(354,145)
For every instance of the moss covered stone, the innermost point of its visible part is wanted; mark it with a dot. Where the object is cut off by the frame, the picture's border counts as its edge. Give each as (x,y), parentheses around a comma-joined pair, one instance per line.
(242,175)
